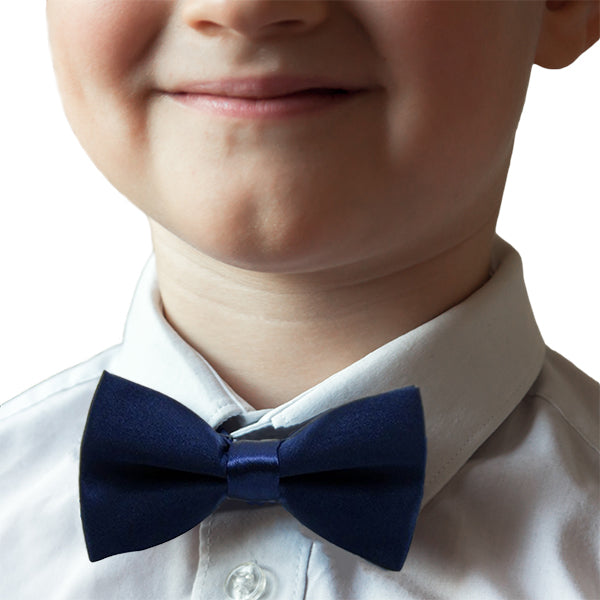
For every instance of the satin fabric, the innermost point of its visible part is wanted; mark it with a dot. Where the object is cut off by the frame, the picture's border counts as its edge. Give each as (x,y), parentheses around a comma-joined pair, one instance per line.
(151,469)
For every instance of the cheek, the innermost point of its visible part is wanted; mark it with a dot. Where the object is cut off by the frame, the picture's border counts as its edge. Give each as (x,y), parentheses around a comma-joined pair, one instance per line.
(100,51)
(101,39)
(457,73)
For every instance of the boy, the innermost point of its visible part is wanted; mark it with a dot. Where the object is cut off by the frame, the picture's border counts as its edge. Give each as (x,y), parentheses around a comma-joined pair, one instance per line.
(322,181)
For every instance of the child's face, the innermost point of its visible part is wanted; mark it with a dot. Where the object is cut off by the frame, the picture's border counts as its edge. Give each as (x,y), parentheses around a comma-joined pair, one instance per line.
(412,164)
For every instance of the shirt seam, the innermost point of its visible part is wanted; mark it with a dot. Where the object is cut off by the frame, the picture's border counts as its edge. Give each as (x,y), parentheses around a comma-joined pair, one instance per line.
(205,555)
(299,575)
(310,551)
(566,419)
(43,398)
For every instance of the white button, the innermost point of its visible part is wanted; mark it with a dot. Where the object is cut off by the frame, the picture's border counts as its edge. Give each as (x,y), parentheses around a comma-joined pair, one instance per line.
(246,582)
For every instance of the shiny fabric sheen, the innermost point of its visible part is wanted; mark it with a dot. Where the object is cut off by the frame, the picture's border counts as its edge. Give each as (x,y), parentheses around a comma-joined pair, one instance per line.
(354,475)
(253,470)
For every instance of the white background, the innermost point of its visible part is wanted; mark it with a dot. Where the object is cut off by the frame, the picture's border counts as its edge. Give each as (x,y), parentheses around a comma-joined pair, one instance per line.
(71,247)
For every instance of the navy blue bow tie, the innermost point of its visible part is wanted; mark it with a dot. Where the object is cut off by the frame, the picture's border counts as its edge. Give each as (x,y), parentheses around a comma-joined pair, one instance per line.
(151,469)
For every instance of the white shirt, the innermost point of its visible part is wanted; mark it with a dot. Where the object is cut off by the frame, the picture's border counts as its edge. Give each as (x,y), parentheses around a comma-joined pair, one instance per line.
(511,495)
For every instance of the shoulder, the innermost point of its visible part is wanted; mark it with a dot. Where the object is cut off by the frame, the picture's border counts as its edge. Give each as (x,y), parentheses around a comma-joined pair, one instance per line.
(571,395)
(40,434)
(45,423)
(65,383)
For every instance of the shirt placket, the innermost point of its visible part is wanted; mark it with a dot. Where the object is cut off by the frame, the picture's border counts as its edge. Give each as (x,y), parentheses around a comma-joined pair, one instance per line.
(251,553)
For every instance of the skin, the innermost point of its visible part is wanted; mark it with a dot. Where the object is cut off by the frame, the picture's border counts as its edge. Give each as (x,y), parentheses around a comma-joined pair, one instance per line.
(311,240)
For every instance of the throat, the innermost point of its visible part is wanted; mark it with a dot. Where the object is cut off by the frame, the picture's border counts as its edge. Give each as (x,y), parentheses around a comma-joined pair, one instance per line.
(272,336)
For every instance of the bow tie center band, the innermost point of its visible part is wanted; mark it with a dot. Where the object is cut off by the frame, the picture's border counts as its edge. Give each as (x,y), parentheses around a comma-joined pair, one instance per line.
(152,469)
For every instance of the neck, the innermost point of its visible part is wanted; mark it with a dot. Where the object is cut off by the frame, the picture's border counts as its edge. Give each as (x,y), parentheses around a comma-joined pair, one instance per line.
(272,336)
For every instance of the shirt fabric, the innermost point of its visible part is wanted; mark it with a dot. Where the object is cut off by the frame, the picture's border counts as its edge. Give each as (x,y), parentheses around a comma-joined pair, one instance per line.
(511,492)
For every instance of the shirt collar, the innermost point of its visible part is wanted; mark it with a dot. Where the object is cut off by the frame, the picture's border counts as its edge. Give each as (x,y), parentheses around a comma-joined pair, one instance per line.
(473,365)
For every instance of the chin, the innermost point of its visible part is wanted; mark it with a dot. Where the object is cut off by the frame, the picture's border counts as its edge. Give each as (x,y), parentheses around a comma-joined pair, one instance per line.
(265,256)
(277,233)
(266,247)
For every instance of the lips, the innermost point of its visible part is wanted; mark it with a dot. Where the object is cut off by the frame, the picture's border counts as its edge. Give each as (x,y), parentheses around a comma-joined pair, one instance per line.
(272,97)
(266,87)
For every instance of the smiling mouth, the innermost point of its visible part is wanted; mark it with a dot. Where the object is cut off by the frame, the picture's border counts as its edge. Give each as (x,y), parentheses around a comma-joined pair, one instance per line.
(290,104)
(307,92)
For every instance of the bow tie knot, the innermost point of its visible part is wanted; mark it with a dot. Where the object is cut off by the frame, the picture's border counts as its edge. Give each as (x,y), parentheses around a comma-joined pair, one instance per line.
(253,470)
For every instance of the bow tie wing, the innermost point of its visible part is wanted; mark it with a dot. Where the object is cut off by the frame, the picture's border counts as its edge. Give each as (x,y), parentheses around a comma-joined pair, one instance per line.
(137,479)
(355,475)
